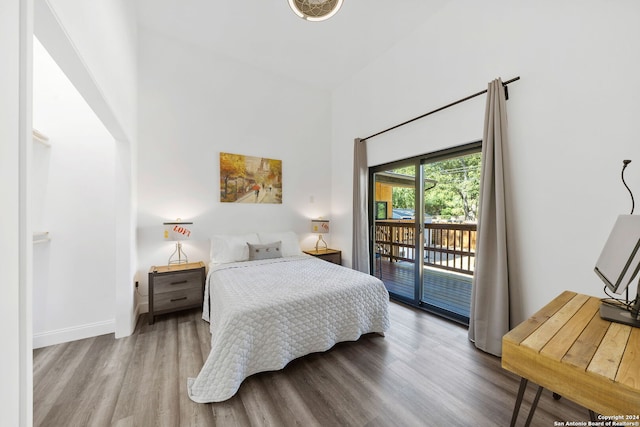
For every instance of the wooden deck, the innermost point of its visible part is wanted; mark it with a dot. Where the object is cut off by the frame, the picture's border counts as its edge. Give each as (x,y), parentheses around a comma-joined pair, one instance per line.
(442,290)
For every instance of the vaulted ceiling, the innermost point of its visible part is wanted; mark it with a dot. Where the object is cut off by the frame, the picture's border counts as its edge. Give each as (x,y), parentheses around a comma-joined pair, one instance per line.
(267,35)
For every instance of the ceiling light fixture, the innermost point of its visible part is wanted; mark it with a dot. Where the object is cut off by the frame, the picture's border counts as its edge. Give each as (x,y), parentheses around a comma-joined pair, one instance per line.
(315,10)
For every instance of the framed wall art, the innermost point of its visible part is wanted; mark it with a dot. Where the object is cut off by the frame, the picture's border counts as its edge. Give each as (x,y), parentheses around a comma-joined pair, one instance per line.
(248,179)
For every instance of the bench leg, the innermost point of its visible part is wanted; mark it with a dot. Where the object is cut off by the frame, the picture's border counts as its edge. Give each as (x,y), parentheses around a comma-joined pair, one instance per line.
(516,408)
(534,405)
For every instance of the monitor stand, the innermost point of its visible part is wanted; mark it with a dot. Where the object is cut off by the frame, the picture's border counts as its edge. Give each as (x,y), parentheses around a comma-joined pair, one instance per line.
(618,315)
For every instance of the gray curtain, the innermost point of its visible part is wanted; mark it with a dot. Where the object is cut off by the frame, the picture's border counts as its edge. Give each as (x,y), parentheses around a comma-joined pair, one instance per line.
(489,318)
(360,254)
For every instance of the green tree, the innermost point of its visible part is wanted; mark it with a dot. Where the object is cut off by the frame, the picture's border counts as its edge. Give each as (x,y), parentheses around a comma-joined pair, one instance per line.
(404,197)
(456,190)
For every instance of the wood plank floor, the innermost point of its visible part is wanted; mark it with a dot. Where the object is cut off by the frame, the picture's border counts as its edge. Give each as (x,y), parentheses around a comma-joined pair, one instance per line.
(425,372)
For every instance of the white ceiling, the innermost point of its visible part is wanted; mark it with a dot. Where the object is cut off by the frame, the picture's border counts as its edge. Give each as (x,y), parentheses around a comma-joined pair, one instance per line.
(266,34)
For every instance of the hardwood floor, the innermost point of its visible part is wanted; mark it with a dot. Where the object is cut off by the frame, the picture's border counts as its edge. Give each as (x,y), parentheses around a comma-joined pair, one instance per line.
(425,372)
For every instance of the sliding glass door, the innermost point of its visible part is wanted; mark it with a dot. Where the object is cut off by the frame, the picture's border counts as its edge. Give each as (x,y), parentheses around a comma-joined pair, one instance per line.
(394,237)
(423,228)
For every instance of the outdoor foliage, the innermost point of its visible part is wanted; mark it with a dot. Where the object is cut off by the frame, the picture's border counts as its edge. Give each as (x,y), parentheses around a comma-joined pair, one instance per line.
(456,192)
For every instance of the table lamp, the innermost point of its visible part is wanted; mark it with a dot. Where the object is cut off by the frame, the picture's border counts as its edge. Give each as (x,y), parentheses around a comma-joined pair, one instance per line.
(320,226)
(176,231)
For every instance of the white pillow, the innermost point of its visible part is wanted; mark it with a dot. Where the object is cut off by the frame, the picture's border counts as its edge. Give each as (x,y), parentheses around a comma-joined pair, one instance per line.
(289,239)
(231,248)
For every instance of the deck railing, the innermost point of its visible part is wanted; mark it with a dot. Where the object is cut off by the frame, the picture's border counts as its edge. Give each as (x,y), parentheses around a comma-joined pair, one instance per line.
(447,246)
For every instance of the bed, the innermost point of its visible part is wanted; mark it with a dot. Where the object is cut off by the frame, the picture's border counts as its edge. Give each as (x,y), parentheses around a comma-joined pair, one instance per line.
(267,310)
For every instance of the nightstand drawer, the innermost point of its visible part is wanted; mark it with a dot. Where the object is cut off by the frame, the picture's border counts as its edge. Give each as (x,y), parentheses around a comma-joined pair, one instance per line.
(177,282)
(177,299)
(334,258)
(330,255)
(175,287)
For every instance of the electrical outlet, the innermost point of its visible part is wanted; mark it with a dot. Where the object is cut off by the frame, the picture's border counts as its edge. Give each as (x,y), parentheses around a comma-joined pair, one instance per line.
(137,283)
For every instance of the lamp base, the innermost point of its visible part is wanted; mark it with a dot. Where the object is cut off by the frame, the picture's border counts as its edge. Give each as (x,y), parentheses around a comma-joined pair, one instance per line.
(178,256)
(320,239)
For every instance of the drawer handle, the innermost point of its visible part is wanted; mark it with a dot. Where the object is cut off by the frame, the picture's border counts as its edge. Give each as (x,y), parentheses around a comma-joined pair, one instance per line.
(178,282)
(178,299)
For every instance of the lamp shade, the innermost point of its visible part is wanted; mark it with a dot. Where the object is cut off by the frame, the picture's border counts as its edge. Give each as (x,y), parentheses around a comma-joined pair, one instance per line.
(320,226)
(177,230)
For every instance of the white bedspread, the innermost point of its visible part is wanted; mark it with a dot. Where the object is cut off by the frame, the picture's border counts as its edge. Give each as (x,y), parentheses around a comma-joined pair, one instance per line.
(266,313)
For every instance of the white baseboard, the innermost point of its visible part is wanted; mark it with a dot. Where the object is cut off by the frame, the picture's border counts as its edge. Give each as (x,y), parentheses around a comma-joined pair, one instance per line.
(142,308)
(74,333)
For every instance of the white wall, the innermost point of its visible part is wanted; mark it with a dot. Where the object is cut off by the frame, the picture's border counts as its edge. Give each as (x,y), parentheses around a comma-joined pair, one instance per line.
(95,43)
(102,35)
(74,200)
(195,104)
(572,118)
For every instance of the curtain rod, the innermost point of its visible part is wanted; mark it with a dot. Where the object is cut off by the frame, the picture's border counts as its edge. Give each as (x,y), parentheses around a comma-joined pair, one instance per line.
(442,108)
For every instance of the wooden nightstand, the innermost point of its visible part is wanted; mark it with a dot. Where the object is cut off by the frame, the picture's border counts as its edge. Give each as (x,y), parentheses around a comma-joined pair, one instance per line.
(331,255)
(175,287)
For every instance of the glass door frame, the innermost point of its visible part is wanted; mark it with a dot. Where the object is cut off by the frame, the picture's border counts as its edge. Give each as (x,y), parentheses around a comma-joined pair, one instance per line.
(417,162)
(418,228)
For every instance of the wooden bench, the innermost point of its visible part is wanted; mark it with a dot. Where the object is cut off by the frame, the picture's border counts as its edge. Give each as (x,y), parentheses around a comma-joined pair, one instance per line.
(567,348)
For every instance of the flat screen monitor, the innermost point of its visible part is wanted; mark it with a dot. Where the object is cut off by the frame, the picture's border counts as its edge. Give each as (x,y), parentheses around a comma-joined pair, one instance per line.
(619,264)
(619,261)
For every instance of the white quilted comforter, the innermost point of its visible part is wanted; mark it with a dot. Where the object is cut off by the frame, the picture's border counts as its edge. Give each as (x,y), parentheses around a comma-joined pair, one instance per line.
(266,313)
